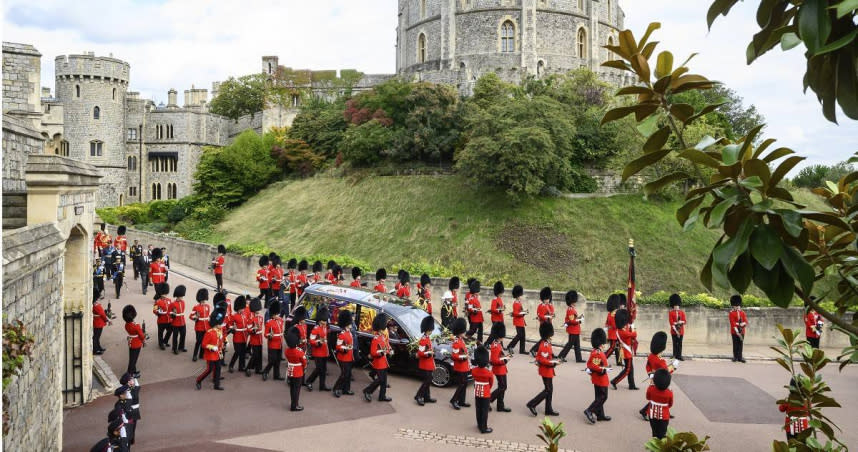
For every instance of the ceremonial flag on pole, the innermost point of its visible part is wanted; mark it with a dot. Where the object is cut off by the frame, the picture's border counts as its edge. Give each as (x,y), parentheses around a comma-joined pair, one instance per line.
(630,294)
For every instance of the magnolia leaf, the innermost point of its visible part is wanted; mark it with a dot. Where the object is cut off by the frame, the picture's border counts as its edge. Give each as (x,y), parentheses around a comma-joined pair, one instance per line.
(636,165)
(634,90)
(753,182)
(765,246)
(682,111)
(706,272)
(845,7)
(653,26)
(777,153)
(729,154)
(617,113)
(748,140)
(657,140)
(814,26)
(617,64)
(783,169)
(643,111)
(648,49)
(661,84)
(791,221)
(758,168)
(685,79)
(705,142)
(628,46)
(699,157)
(826,218)
(648,126)
(658,184)
(641,67)
(789,40)
(838,44)
(683,213)
(763,146)
(716,215)
(832,186)
(741,272)
(798,268)
(704,111)
(718,7)
(664,64)
(847,92)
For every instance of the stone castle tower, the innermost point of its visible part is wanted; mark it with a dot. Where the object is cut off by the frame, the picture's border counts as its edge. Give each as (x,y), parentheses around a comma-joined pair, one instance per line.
(93,90)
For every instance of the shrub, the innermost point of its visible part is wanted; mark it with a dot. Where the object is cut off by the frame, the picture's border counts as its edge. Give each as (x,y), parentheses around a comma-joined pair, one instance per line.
(365,144)
(158,210)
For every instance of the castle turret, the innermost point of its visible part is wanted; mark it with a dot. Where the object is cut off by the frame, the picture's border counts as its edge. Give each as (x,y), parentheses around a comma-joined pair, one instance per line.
(171,98)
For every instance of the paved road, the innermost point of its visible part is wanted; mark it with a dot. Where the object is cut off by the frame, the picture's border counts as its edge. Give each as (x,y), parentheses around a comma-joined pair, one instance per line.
(733,403)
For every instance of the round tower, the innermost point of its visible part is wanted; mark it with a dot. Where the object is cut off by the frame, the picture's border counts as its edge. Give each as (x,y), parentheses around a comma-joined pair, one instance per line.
(92,90)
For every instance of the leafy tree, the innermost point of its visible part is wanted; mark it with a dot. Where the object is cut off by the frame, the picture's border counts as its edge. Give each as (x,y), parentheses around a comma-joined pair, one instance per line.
(367,143)
(732,117)
(814,176)
(239,97)
(230,175)
(321,125)
(296,157)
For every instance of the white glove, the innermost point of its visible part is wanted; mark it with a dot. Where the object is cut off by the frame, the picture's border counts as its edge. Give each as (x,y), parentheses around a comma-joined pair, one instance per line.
(675,364)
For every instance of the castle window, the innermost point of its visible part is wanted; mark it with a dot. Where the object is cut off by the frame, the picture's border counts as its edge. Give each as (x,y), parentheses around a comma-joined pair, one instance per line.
(156,191)
(132,133)
(132,191)
(608,52)
(132,163)
(540,69)
(610,11)
(96,113)
(171,191)
(507,37)
(421,48)
(169,131)
(296,100)
(77,91)
(114,93)
(95,148)
(582,43)
(581,5)
(64,148)
(422,9)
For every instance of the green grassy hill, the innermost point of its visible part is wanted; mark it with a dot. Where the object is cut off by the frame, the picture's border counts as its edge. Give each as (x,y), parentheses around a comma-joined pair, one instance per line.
(387,221)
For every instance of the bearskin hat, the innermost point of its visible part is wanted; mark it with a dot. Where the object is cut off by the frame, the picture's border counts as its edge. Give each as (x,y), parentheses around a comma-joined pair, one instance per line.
(459,326)
(404,277)
(400,274)
(380,274)
(125,378)
(318,267)
(202,294)
(545,294)
(658,342)
(293,337)
(271,256)
(425,280)
(344,319)
(102,225)
(338,271)
(157,254)
(322,315)
(621,318)
(598,338)
(623,301)
(571,297)
(293,263)
(379,322)
(217,317)
(427,324)
(331,265)
(736,300)
(661,378)
(299,314)
(546,330)
(162,289)
(120,230)
(356,272)
(255,305)
(274,308)
(481,356)
(474,286)
(218,297)
(498,330)
(675,300)
(613,302)
(221,249)
(454,283)
(129,313)
(303,265)
(498,289)
(517,291)
(239,304)
(276,261)
(263,261)
(180,291)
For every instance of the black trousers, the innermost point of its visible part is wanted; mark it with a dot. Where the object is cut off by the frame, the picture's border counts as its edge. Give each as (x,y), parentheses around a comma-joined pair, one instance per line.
(344,383)
(628,371)
(598,405)
(255,358)
(476,328)
(573,341)
(423,391)
(518,339)
(813,341)
(136,269)
(546,394)
(320,371)
(737,347)
(380,382)
(163,334)
(198,344)
(133,354)
(613,348)
(219,280)
(677,345)
(499,392)
(659,427)
(274,358)
(179,337)
(144,279)
(118,283)
(211,366)
(239,354)
(461,379)
(96,339)
(482,405)
(295,390)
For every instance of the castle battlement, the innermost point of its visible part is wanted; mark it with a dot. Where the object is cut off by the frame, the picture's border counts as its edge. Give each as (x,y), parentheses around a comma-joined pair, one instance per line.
(88,66)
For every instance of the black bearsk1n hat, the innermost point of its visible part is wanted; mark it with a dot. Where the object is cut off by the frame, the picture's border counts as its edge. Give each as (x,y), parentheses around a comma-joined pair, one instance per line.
(613,302)
(299,314)
(318,267)
(661,379)
(455,283)
(498,288)
(162,289)
(202,294)
(498,330)
(379,323)
(239,304)
(459,326)
(546,330)
(474,286)
(356,272)
(180,291)
(545,294)
(157,254)
(517,291)
(303,265)
(120,230)
(675,300)
(427,324)
(292,263)
(331,265)
(658,343)
(344,319)
(255,305)
(322,315)
(274,308)
(571,297)
(293,337)
(598,338)
(129,313)
(736,300)
(263,261)
(481,356)
(404,277)
(221,249)
(218,297)
(621,318)
(217,317)
(380,274)
(425,280)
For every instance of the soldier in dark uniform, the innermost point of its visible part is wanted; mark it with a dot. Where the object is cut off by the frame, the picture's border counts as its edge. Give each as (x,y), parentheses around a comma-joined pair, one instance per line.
(143,261)
(97,279)
(118,272)
(134,253)
(113,442)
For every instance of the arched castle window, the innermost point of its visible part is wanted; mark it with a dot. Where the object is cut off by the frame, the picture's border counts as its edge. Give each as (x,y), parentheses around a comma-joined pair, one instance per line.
(540,69)
(64,148)
(507,37)
(132,163)
(610,11)
(582,44)
(77,91)
(171,191)
(96,113)
(95,148)
(156,191)
(421,48)
(422,9)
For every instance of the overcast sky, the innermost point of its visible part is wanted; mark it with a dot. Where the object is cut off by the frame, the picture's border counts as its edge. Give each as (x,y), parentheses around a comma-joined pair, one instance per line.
(177,43)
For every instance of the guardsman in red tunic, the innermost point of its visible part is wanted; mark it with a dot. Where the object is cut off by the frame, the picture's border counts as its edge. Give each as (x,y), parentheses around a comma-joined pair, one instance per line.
(161,309)
(813,325)
(461,364)
(177,319)
(157,268)
(655,362)
(213,342)
(380,276)
(274,334)
(200,315)
(572,322)
(483,379)
(544,312)
(796,420)
(356,274)
(498,360)
(454,285)
(345,353)
(597,367)
(276,276)
(676,318)
(546,362)
(398,283)
(262,278)
(99,321)
(217,267)
(379,350)
(296,364)
(738,323)
(238,322)
(660,400)
(425,361)
(299,318)
(136,338)
(626,336)
(496,308)
(475,311)
(317,276)
(423,293)
(121,242)
(330,275)
(319,349)
(256,329)
(404,289)
(518,314)
(303,279)
(610,324)
(292,282)
(101,241)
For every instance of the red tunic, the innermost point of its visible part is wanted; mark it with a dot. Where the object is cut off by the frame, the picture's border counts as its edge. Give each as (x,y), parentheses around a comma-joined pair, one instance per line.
(296,362)
(161,309)
(136,337)
(496,358)
(660,402)
(256,329)
(496,310)
(796,420)
(99,317)
(355,283)
(120,243)
(177,307)
(218,265)
(274,333)
(302,333)
(157,272)
(674,316)
(238,322)
(293,281)
(518,314)
(612,326)
(345,347)
(425,355)
(404,291)
(330,278)
(101,240)
(200,315)
(655,362)
(545,312)
(319,342)
(262,277)
(380,287)
(596,363)
(212,344)
(461,360)
(626,337)
(455,304)
(543,358)
(483,379)
(475,311)
(276,278)
(810,322)
(302,282)
(573,325)
(738,322)
(378,352)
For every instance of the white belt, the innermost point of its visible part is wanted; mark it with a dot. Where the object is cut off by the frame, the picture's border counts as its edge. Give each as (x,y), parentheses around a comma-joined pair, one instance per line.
(478,383)
(239,329)
(658,404)
(293,364)
(203,319)
(135,407)
(132,337)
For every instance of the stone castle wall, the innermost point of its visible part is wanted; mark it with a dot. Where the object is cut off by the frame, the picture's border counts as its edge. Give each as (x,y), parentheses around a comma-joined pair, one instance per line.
(21,78)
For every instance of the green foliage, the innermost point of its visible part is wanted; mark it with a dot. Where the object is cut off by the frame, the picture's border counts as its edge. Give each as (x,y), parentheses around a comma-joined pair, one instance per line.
(321,125)
(550,434)
(137,213)
(237,97)
(294,156)
(17,348)
(815,176)
(732,118)
(701,299)
(677,442)
(366,143)
(230,175)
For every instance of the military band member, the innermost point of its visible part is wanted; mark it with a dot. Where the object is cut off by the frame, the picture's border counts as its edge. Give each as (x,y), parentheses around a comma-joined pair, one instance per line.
(498,360)
(136,338)
(98,275)
(660,400)
(356,274)
(475,311)
(425,361)
(133,414)
(813,325)
(122,409)
(274,334)
(262,279)
(292,283)
(200,315)
(496,308)
(424,294)
(296,363)
(101,241)
(447,309)
(120,243)
(380,276)
(161,309)
(217,267)
(303,279)
(213,343)
(544,312)
(379,350)
(597,367)
(625,335)
(177,319)
(676,318)
(99,321)
(344,354)
(518,314)
(238,322)
(398,283)
(572,322)
(319,349)
(256,331)
(655,362)
(113,442)
(404,289)
(157,268)
(461,364)
(610,325)
(317,276)
(483,379)
(738,323)
(546,362)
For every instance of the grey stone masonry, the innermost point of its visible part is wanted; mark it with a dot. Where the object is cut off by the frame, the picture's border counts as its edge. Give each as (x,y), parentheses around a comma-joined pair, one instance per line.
(21,72)
(19,142)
